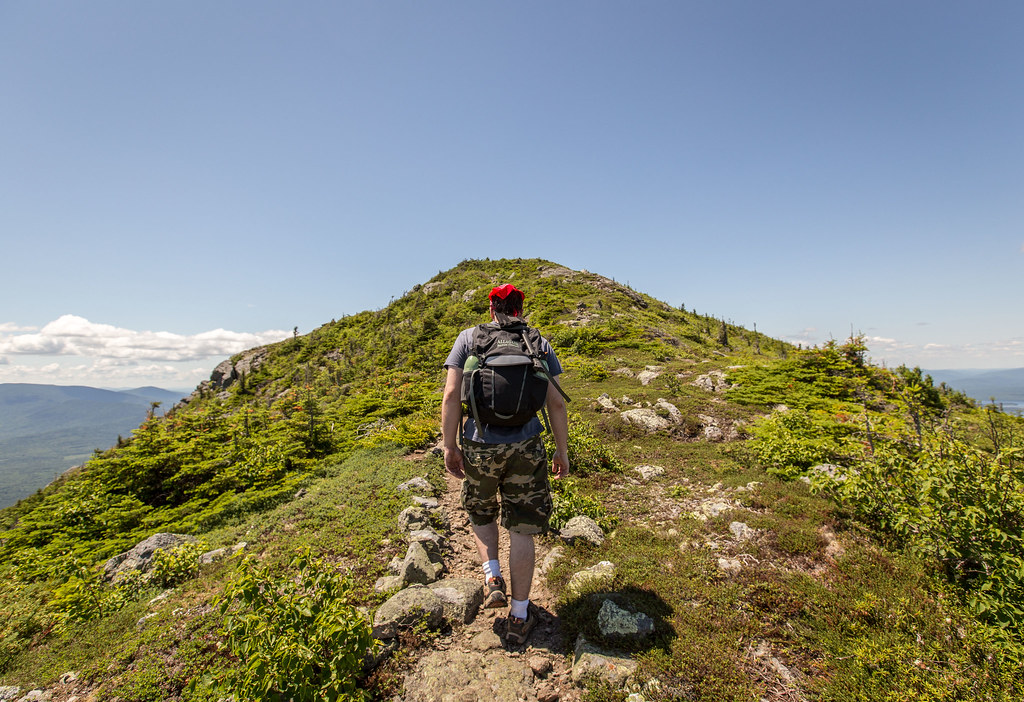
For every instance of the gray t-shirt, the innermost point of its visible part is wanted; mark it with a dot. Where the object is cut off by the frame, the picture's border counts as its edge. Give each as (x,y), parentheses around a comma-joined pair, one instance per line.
(462,350)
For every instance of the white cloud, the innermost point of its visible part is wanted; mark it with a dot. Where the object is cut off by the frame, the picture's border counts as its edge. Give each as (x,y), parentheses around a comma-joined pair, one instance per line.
(71,335)
(9,327)
(4,361)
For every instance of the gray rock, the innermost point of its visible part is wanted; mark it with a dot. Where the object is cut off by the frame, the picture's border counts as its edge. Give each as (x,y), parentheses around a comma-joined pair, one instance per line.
(218,554)
(648,472)
(673,412)
(405,609)
(591,663)
(712,382)
(413,518)
(615,622)
(831,471)
(395,565)
(417,568)
(470,676)
(549,560)
(433,542)
(36,696)
(428,503)
(485,641)
(140,556)
(648,374)
(460,597)
(730,566)
(646,419)
(9,692)
(606,403)
(599,575)
(741,531)
(388,583)
(582,528)
(417,485)
(714,507)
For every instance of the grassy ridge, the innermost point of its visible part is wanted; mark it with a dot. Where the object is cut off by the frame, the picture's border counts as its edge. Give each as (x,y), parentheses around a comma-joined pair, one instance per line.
(303,450)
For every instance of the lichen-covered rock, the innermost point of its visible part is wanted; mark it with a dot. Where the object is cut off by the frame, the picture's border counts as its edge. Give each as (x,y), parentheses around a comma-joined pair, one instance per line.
(741,531)
(433,542)
(592,663)
(405,609)
(387,583)
(648,374)
(582,528)
(606,403)
(457,676)
(647,419)
(713,381)
(664,406)
(9,692)
(460,597)
(647,472)
(616,622)
(417,485)
(413,518)
(140,556)
(418,568)
(730,566)
(601,575)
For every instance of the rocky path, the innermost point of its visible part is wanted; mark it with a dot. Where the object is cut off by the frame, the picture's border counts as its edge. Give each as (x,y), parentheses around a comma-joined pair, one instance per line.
(473,662)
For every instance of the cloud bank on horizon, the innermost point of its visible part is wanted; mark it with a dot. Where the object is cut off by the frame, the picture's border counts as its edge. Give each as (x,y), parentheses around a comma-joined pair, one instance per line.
(74,350)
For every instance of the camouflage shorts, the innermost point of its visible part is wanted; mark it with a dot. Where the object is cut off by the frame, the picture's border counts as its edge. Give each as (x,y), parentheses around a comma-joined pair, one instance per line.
(519,472)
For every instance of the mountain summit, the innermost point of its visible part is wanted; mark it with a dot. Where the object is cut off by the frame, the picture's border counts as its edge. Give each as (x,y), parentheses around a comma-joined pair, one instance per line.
(744,520)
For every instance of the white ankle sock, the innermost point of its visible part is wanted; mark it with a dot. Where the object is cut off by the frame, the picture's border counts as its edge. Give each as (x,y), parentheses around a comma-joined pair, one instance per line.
(492,569)
(520,608)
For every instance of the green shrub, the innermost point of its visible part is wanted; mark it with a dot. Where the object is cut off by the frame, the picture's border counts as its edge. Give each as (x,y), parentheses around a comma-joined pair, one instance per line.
(788,443)
(569,503)
(297,636)
(586,452)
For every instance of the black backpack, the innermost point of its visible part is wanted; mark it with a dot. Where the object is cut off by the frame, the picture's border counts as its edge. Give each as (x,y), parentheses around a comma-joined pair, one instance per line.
(505,380)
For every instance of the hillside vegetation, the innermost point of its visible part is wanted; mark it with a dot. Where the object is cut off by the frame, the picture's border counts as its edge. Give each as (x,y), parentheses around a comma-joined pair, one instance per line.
(887,561)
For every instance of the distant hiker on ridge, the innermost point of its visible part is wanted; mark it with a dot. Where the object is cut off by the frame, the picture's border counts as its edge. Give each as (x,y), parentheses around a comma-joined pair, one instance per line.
(504,372)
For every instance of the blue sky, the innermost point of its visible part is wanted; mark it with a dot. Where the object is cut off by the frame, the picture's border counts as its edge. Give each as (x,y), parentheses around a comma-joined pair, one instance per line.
(183,180)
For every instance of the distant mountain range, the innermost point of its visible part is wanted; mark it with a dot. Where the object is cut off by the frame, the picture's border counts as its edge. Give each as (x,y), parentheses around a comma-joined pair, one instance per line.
(46,429)
(1005,385)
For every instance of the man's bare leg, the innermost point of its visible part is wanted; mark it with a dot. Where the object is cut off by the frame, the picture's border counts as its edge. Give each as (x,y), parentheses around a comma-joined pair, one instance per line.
(520,564)
(486,537)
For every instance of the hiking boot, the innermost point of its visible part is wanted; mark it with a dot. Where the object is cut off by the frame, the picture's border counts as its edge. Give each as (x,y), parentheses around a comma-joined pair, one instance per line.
(519,629)
(495,595)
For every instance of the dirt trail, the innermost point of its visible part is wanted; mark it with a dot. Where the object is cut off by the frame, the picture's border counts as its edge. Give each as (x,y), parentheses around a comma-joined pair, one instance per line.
(545,650)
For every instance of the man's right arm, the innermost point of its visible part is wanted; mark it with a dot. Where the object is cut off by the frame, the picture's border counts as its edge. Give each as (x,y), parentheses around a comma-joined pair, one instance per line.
(451,422)
(559,417)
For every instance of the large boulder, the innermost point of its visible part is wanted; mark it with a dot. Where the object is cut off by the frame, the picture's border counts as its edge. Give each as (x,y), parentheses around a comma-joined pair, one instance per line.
(582,528)
(413,518)
(460,597)
(407,608)
(615,622)
(418,568)
(647,419)
(140,556)
(599,575)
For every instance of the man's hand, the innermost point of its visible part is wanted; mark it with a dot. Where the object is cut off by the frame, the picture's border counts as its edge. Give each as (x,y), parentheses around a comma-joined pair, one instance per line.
(453,462)
(560,465)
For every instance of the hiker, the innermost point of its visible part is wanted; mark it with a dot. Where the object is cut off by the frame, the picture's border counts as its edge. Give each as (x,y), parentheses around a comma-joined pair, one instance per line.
(502,457)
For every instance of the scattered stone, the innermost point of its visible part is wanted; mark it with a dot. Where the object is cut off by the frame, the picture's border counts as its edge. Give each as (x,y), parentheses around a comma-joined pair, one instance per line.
(648,472)
(730,566)
(217,554)
(712,508)
(540,665)
(140,556)
(547,693)
(36,696)
(625,372)
(485,641)
(413,518)
(430,503)
(140,624)
(405,609)
(460,597)
(240,546)
(606,403)
(161,597)
(831,471)
(636,697)
(601,575)
(713,381)
(433,542)
(9,692)
(741,531)
(591,663)
(68,677)
(646,419)
(387,583)
(582,528)
(615,622)
(673,412)
(549,560)
(648,374)
(833,548)
(418,568)
(395,565)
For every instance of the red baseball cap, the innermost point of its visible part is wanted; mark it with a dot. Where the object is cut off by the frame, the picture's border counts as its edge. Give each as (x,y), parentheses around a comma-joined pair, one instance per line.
(503,291)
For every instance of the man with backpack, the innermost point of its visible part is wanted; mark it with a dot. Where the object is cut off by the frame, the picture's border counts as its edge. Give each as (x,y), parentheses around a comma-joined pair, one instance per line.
(504,372)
